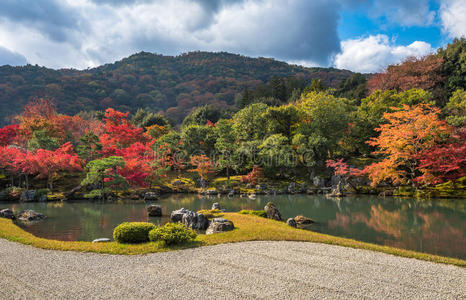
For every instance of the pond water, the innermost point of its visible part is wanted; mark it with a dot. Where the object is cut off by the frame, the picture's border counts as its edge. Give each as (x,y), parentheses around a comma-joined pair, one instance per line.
(436,227)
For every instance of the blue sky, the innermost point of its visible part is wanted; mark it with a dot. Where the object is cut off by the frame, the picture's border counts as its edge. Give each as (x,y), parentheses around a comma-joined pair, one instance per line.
(359,35)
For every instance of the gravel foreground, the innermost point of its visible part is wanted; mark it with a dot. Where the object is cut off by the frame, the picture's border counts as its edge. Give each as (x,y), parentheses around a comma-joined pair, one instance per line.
(272,270)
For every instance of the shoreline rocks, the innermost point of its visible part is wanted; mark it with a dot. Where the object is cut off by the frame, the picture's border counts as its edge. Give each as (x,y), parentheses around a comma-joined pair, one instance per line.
(301,220)
(291,222)
(7,213)
(177,215)
(30,216)
(194,220)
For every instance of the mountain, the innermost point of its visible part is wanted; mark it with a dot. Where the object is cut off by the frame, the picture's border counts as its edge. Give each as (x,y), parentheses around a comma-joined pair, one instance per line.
(172,84)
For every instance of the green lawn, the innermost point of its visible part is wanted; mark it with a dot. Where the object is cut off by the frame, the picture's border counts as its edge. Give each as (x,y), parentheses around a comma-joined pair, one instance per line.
(248,228)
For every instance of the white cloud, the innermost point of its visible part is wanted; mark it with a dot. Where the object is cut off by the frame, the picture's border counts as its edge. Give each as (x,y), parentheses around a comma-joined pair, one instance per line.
(374,53)
(103,31)
(453,17)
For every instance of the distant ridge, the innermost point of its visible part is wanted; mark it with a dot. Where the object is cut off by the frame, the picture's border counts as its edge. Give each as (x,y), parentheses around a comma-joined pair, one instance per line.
(172,84)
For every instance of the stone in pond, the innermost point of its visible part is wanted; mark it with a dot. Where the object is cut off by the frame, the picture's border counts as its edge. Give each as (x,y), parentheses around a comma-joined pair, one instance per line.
(7,213)
(177,215)
(154,210)
(102,240)
(216,206)
(30,216)
(291,222)
(272,212)
(219,225)
(194,220)
(301,220)
(151,196)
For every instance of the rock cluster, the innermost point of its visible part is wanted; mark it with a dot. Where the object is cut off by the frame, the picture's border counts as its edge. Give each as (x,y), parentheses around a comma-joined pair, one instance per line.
(291,222)
(7,213)
(198,221)
(30,216)
(194,220)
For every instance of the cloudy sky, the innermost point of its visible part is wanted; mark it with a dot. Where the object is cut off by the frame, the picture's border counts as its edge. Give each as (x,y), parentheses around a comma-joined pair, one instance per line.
(359,35)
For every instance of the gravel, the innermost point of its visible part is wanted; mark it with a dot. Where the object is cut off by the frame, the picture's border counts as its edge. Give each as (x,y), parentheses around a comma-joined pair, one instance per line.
(230,271)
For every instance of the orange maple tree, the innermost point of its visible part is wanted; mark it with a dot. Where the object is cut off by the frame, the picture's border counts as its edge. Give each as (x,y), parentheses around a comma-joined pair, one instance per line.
(409,131)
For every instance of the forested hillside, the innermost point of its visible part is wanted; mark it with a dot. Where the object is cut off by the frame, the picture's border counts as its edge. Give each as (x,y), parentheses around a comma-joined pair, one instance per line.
(173,85)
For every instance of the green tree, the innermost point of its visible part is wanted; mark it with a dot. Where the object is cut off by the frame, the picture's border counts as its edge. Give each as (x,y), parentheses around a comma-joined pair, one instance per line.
(103,174)
(41,139)
(225,145)
(281,119)
(454,65)
(249,123)
(277,154)
(198,139)
(455,110)
(89,146)
(201,115)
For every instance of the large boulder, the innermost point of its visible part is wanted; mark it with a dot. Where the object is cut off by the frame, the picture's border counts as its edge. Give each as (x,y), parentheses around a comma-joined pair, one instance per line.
(291,222)
(301,220)
(30,216)
(154,210)
(272,212)
(177,215)
(194,220)
(7,213)
(219,225)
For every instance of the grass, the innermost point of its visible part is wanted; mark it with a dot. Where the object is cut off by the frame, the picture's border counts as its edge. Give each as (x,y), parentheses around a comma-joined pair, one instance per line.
(247,228)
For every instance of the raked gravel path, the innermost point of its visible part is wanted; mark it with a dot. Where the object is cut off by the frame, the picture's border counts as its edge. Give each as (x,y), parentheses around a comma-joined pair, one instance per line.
(272,270)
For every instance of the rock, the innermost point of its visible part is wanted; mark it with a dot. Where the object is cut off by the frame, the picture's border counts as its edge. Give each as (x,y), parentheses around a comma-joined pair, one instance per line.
(28,196)
(291,187)
(337,191)
(318,182)
(101,240)
(252,196)
(151,196)
(291,222)
(7,213)
(177,215)
(194,220)
(272,212)
(231,193)
(249,186)
(211,192)
(261,187)
(30,216)
(301,220)
(177,183)
(154,210)
(216,206)
(219,225)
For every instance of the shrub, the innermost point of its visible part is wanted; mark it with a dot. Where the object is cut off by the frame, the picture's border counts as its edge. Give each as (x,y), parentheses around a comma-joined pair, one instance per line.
(259,213)
(172,234)
(210,213)
(132,232)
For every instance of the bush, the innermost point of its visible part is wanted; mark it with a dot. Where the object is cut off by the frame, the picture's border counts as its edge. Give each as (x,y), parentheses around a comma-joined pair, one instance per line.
(172,234)
(210,213)
(259,213)
(132,232)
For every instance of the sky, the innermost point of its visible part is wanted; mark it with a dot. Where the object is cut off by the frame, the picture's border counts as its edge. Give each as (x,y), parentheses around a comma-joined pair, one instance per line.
(358,35)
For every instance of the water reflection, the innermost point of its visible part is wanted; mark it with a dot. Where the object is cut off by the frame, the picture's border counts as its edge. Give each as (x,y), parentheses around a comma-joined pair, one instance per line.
(436,227)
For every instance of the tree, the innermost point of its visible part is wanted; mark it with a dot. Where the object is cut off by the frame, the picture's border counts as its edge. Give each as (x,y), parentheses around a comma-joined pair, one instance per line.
(323,123)
(455,110)
(444,161)
(454,65)
(89,147)
(354,87)
(277,154)
(48,164)
(198,139)
(225,145)
(42,140)
(343,169)
(203,165)
(8,134)
(281,119)
(103,173)
(254,176)
(201,115)
(249,123)
(414,73)
(409,131)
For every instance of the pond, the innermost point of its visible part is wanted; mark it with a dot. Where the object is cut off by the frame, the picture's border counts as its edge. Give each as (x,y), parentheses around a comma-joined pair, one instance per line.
(436,227)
